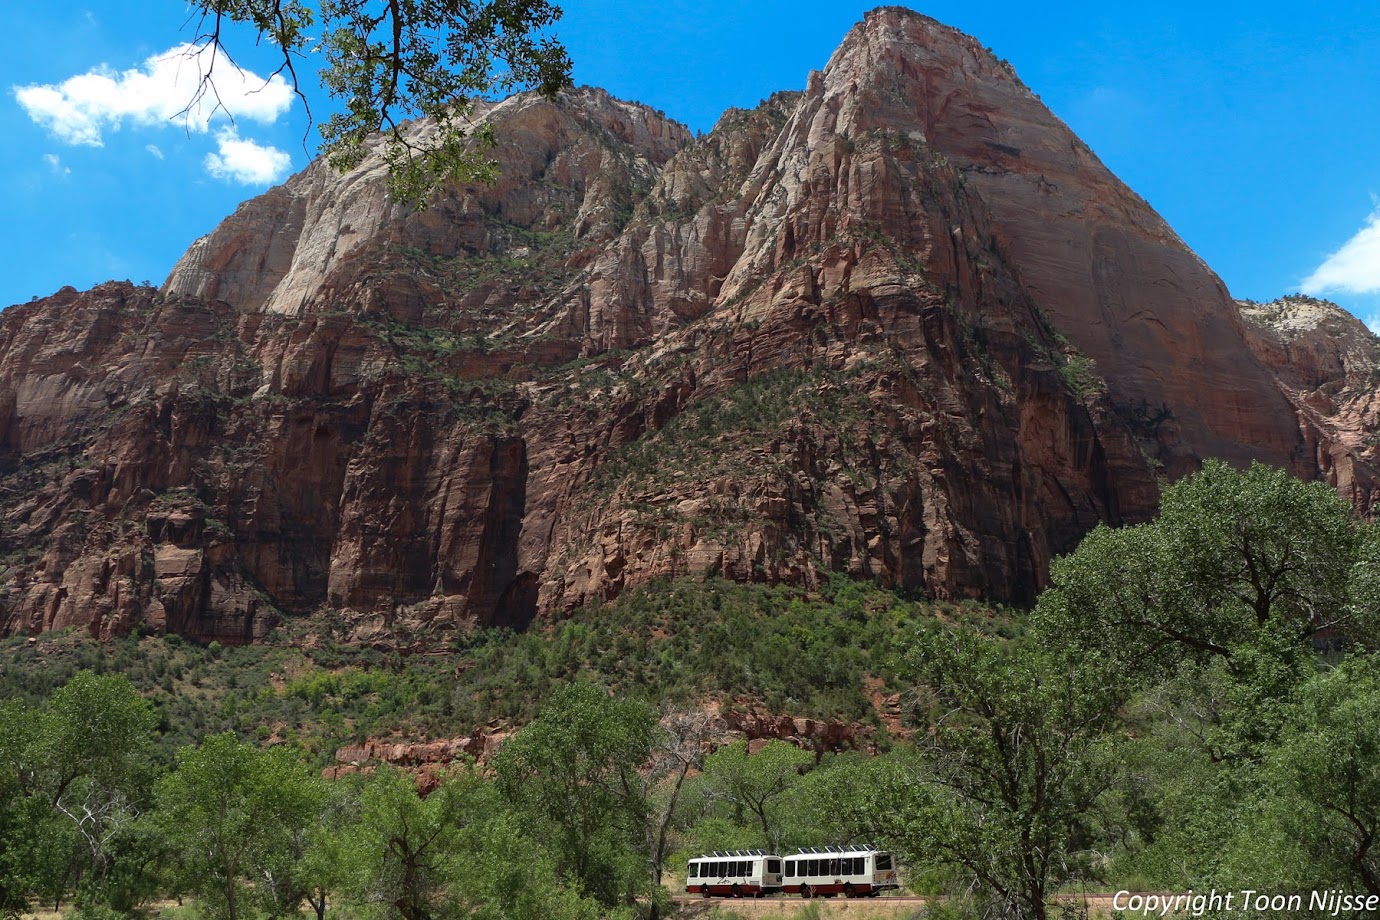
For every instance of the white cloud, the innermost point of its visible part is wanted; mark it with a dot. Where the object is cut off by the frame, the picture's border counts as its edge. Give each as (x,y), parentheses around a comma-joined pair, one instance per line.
(246,162)
(55,164)
(1353,269)
(164,89)
(154,151)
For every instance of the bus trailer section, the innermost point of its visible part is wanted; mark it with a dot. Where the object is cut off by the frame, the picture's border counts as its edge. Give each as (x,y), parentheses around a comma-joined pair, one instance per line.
(734,874)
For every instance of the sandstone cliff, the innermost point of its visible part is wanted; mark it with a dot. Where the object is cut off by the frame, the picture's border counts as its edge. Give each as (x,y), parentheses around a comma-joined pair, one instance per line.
(902,325)
(1328,364)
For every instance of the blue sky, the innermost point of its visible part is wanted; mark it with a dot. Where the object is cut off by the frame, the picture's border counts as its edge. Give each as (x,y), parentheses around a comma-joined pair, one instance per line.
(1252,127)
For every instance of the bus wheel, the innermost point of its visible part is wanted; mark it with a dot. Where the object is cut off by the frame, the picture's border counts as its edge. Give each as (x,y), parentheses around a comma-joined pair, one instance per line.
(704,891)
(737,892)
(805,891)
(848,890)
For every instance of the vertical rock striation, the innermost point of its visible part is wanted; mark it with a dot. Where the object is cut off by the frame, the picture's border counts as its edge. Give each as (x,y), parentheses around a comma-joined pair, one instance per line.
(901,325)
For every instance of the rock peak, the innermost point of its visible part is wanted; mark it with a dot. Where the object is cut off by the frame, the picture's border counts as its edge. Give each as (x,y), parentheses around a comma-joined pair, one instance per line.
(903,325)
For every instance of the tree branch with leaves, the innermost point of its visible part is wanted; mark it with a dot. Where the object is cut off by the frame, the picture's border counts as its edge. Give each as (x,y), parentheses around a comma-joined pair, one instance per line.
(390,61)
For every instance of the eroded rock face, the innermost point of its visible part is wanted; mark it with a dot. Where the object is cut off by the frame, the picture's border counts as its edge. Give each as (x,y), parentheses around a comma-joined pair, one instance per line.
(902,325)
(1328,363)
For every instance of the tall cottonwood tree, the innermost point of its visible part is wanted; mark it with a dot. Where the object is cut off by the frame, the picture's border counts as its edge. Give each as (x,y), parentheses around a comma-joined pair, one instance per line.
(1014,767)
(753,784)
(1321,815)
(1235,556)
(1212,612)
(232,810)
(574,775)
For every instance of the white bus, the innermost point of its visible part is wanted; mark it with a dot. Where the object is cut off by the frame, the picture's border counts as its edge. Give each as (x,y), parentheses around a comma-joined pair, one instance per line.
(734,874)
(852,871)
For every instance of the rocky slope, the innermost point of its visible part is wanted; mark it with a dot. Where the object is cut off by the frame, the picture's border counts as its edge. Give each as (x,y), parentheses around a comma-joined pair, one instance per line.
(1328,364)
(902,325)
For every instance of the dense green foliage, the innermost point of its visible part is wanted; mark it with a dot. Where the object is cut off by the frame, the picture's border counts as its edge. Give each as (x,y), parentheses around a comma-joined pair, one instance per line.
(1015,768)
(1232,556)
(751,786)
(1193,705)
(1247,743)
(572,772)
(667,644)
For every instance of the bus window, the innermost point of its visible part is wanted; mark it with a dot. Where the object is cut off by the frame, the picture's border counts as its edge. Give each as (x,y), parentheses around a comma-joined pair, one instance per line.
(744,867)
(812,867)
(694,871)
(774,866)
(883,861)
(857,865)
(790,867)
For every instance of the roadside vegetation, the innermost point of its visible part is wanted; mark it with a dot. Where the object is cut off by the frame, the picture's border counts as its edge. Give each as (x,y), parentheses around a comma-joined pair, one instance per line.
(1192,704)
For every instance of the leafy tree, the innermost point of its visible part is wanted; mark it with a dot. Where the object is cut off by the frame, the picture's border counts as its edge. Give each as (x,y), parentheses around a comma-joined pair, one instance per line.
(1318,826)
(457,852)
(324,870)
(508,877)
(232,810)
(403,849)
(1233,555)
(94,736)
(752,784)
(74,776)
(1015,766)
(573,773)
(28,828)
(138,870)
(848,798)
(1211,611)
(399,59)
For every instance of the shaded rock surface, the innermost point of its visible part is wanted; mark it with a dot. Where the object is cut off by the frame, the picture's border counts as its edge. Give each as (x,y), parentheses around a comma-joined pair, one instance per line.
(902,325)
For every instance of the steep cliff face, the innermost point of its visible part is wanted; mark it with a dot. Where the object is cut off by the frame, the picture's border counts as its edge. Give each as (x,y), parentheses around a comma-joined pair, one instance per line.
(902,325)
(1328,364)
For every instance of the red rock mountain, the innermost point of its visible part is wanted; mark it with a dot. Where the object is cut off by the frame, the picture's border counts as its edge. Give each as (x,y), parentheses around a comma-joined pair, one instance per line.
(903,325)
